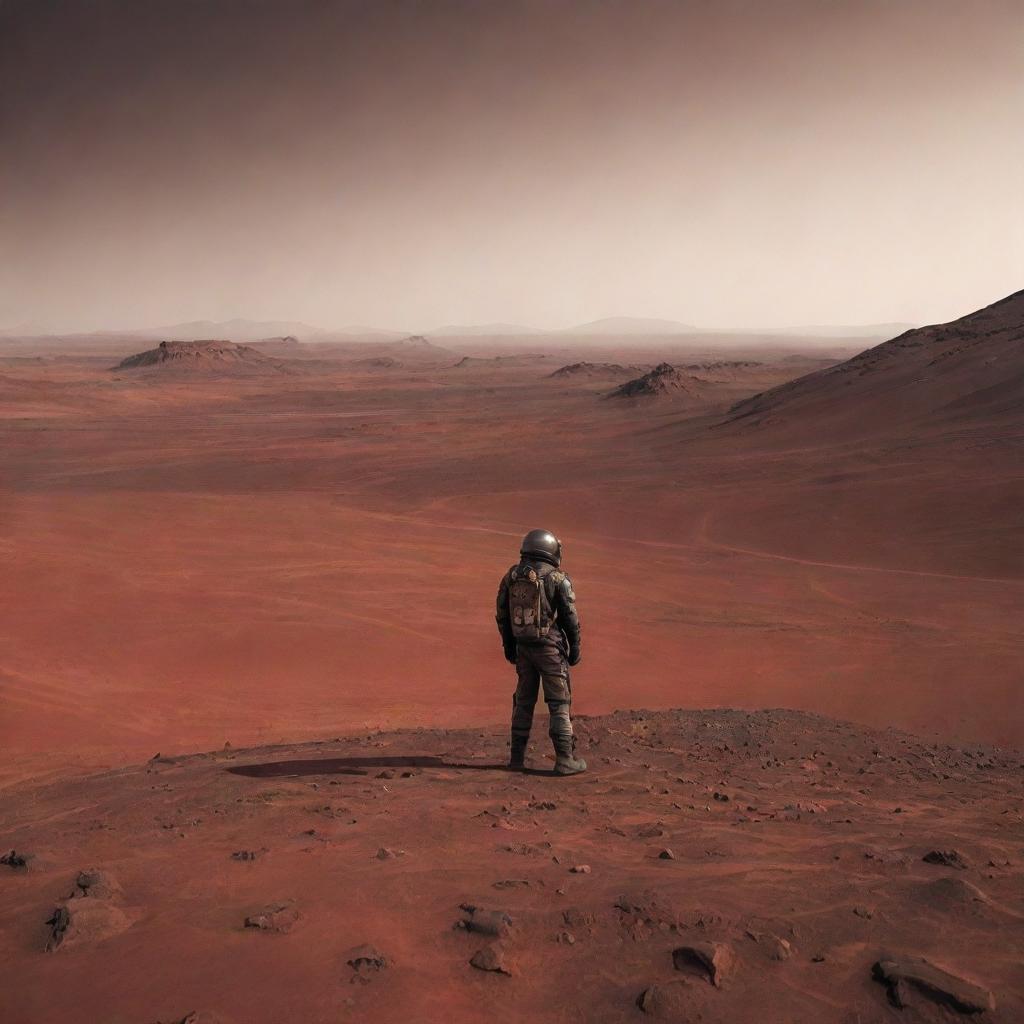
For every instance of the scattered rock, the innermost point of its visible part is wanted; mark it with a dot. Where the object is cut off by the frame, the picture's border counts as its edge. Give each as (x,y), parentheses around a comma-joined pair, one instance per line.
(951,891)
(95,883)
(366,960)
(650,831)
(647,1001)
(87,912)
(645,913)
(491,958)
(486,922)
(580,869)
(715,959)
(527,849)
(910,976)
(579,919)
(776,947)
(946,858)
(666,854)
(83,921)
(386,853)
(281,918)
(511,883)
(803,807)
(673,1000)
(247,854)
(887,858)
(59,922)
(18,861)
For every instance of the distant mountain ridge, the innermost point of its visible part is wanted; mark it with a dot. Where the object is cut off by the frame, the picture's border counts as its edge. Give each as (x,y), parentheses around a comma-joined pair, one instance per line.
(882,330)
(238,330)
(483,330)
(630,325)
(243,330)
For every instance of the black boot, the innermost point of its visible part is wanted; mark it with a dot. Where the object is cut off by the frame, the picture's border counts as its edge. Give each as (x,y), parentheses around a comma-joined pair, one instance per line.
(566,761)
(517,753)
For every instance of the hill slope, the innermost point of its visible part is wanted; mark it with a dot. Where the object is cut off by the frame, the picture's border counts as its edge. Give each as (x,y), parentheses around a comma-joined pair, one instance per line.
(947,375)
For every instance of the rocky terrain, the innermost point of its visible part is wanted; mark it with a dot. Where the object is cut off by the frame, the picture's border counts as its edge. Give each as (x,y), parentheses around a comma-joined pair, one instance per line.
(599,370)
(712,866)
(202,357)
(664,380)
(502,361)
(724,369)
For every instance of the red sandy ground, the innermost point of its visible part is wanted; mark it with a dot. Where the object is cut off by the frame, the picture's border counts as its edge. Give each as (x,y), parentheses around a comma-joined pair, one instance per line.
(794,842)
(195,560)
(189,561)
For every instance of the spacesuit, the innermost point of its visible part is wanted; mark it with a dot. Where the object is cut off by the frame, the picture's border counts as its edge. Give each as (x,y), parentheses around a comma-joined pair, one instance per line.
(540,631)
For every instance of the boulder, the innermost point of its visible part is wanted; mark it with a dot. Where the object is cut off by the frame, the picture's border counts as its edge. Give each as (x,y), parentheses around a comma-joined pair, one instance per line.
(911,976)
(486,922)
(280,918)
(945,858)
(366,959)
(491,958)
(714,959)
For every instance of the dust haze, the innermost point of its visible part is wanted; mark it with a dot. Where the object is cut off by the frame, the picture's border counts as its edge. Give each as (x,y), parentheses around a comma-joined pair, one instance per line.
(728,165)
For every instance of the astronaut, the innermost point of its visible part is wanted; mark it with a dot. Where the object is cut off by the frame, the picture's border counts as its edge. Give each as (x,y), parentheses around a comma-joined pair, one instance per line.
(540,631)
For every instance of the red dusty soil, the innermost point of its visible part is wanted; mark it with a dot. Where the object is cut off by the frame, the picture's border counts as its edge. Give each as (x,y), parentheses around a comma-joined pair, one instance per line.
(790,851)
(193,561)
(290,557)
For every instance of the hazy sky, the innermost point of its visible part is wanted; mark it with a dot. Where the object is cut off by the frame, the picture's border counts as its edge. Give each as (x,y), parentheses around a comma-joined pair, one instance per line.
(411,164)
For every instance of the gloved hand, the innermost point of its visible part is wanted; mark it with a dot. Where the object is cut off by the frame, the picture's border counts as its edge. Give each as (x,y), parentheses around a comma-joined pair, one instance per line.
(574,655)
(510,653)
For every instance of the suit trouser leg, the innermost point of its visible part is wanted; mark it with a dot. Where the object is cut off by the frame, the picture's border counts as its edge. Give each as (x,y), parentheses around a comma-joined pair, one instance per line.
(554,671)
(524,700)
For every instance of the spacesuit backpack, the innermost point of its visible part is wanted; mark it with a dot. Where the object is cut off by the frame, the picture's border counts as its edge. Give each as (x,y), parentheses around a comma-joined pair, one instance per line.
(528,606)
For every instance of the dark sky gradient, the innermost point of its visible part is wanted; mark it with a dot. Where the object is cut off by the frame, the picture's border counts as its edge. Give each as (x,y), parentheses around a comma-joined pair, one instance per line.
(411,164)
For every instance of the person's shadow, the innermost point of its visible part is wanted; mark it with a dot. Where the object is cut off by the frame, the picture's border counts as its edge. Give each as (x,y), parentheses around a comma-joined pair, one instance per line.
(362,765)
